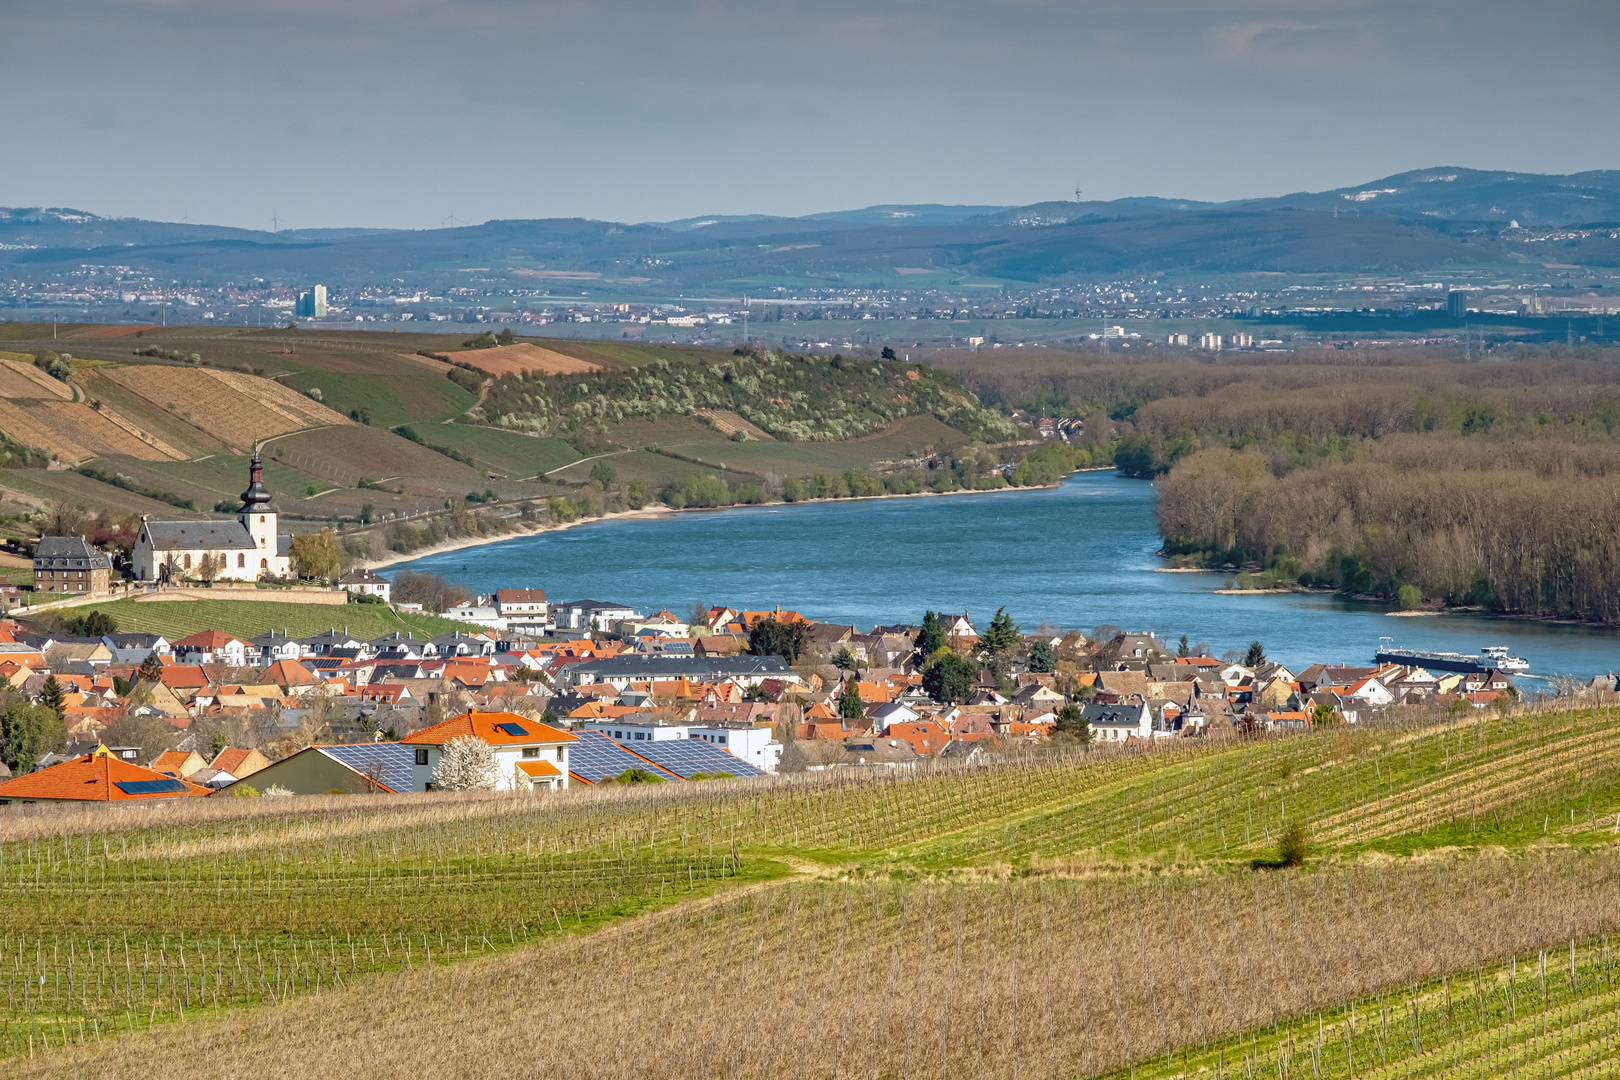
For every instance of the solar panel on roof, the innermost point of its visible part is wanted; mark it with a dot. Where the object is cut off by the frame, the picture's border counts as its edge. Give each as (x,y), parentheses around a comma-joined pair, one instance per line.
(149,787)
(515,730)
(390,764)
(687,756)
(595,758)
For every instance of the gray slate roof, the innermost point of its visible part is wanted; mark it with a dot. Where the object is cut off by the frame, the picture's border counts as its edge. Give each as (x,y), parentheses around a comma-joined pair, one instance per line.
(69,552)
(200,536)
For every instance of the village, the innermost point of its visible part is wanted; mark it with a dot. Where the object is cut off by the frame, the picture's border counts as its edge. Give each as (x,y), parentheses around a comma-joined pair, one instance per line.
(541,696)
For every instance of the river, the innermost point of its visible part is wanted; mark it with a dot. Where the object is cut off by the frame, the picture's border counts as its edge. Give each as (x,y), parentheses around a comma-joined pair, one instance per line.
(1079,555)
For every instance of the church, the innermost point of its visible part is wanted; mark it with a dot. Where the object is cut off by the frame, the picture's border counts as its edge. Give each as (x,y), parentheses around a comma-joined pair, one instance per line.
(244,550)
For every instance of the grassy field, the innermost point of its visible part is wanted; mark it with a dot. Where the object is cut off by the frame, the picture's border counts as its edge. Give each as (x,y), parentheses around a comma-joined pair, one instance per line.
(507,452)
(250,618)
(1060,915)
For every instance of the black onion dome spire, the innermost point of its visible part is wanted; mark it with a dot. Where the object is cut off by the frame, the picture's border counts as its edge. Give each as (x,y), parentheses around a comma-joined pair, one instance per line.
(256,499)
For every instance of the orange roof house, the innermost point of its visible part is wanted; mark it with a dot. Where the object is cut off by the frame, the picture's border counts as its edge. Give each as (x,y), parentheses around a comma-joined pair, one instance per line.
(516,740)
(181,763)
(289,675)
(239,763)
(96,777)
(925,738)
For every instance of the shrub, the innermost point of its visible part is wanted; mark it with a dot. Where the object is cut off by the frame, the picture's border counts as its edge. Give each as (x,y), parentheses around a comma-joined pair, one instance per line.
(1293,844)
(245,791)
(1410,597)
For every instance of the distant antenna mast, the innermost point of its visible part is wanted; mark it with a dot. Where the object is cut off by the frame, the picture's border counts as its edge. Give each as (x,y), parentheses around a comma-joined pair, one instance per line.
(275,222)
(1077,193)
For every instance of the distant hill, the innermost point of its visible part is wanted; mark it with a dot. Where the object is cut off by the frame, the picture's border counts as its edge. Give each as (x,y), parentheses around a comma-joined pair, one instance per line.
(1399,223)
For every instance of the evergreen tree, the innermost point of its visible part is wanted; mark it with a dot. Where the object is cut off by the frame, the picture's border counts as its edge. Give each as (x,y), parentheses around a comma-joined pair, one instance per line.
(844,660)
(850,706)
(28,732)
(1255,656)
(151,668)
(932,638)
(1041,657)
(772,638)
(52,697)
(950,678)
(1002,634)
(1183,649)
(1071,721)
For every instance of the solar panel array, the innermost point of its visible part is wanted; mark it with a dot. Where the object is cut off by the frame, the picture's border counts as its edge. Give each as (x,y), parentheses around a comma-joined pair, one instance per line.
(390,764)
(150,787)
(596,758)
(687,756)
(517,731)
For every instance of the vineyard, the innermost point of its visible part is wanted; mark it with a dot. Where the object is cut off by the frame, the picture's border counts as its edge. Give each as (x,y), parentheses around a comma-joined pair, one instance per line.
(1060,915)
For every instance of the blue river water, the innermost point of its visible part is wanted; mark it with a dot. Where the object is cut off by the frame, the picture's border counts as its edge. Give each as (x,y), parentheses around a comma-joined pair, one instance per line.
(1076,556)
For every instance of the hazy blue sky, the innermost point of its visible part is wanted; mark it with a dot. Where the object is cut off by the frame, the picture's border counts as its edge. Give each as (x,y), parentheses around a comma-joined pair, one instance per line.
(400,112)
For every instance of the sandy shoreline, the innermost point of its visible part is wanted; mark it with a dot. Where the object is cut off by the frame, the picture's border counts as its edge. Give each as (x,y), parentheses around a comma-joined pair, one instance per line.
(659,511)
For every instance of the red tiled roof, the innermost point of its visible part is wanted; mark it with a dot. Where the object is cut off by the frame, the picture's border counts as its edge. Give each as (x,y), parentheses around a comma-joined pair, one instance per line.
(205,639)
(93,778)
(289,673)
(482,725)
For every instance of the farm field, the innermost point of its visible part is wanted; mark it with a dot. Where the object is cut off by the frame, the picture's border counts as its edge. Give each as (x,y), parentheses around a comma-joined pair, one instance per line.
(508,452)
(1061,915)
(511,359)
(248,618)
(19,378)
(237,409)
(173,409)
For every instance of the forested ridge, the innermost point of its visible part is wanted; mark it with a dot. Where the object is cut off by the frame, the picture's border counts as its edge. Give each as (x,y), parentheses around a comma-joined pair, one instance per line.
(1413,474)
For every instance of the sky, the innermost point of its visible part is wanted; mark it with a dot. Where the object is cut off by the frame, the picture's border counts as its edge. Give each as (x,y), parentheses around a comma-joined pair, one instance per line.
(417,113)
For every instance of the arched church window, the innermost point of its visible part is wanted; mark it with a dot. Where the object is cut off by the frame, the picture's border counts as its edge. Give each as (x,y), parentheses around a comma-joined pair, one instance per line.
(264,564)
(188,562)
(241,560)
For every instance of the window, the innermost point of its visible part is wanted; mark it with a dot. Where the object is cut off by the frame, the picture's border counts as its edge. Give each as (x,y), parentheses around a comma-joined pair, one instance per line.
(241,560)
(264,564)
(722,740)
(421,755)
(188,562)
(261,519)
(531,751)
(562,753)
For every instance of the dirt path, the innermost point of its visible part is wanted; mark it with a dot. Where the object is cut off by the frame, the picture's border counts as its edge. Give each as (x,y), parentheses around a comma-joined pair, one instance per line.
(483,392)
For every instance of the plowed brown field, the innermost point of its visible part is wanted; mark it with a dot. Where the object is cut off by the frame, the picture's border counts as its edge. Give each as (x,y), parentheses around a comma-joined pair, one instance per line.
(21,379)
(237,409)
(511,359)
(72,431)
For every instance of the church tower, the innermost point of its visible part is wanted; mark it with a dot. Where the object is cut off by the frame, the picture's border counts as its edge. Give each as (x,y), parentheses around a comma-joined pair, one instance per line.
(258,517)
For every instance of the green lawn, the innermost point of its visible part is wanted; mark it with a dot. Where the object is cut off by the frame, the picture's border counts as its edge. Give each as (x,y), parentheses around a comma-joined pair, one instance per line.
(249,618)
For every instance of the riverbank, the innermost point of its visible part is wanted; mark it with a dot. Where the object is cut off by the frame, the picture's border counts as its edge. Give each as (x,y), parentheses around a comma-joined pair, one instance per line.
(661,511)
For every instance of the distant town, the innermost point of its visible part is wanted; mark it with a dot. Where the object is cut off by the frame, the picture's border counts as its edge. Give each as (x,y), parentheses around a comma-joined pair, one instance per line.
(539,695)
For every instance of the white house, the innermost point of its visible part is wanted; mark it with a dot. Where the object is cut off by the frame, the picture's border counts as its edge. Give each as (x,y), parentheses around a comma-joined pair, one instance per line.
(625,730)
(479,612)
(1117,723)
(527,604)
(529,755)
(242,550)
(592,614)
(367,583)
(210,647)
(755,745)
